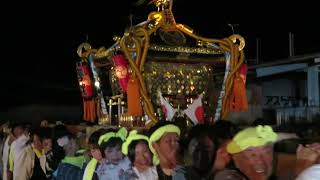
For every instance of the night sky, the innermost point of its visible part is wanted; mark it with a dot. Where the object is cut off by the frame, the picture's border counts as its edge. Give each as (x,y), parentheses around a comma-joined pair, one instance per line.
(39,41)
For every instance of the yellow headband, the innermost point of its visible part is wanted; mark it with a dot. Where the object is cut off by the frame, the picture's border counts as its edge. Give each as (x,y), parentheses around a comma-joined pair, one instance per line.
(251,137)
(133,136)
(157,134)
(122,133)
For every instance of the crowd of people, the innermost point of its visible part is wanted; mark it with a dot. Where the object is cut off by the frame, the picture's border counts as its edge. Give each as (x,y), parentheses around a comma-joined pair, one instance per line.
(164,152)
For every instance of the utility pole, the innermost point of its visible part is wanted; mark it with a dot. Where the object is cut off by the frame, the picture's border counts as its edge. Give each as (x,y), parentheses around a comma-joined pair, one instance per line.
(258,50)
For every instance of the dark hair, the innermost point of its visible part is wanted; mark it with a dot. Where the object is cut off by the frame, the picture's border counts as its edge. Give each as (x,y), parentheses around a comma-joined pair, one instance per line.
(94,138)
(200,130)
(42,132)
(112,142)
(202,155)
(60,131)
(132,149)
(17,125)
(223,130)
(58,152)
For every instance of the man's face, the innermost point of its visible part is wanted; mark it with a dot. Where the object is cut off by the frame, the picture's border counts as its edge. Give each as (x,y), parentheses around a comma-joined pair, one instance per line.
(255,161)
(142,156)
(168,147)
(18,131)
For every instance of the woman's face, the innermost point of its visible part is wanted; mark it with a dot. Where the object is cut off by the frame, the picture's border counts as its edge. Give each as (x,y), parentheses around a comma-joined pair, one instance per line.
(142,156)
(96,153)
(113,154)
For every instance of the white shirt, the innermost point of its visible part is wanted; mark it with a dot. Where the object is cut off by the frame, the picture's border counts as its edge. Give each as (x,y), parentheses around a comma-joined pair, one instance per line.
(149,174)
(18,145)
(311,173)
(17,148)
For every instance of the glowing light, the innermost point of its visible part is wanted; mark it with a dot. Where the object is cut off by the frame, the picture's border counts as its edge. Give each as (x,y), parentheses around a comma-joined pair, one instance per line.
(97,84)
(121,71)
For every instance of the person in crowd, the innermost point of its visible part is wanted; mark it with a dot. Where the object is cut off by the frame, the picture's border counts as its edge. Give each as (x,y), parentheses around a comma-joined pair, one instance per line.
(3,138)
(252,154)
(73,164)
(307,156)
(96,155)
(115,164)
(223,132)
(47,146)
(57,152)
(311,173)
(21,135)
(137,149)
(5,154)
(202,150)
(164,144)
(30,164)
(42,147)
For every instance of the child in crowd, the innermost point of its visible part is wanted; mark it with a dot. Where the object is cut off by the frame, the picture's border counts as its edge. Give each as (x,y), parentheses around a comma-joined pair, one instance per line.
(115,163)
(137,150)
(96,154)
(72,165)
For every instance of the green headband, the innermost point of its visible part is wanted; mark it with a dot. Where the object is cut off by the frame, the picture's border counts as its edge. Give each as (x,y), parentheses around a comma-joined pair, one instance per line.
(122,133)
(133,136)
(157,134)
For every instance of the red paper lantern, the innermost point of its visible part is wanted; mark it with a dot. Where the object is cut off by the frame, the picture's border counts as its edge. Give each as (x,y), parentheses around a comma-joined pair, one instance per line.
(121,70)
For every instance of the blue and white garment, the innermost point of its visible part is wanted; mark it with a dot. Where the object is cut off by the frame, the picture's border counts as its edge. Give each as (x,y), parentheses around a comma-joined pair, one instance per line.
(109,171)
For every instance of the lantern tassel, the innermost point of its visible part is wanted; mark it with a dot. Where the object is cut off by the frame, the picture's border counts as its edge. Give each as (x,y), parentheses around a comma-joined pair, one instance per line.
(133,96)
